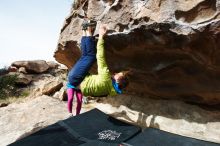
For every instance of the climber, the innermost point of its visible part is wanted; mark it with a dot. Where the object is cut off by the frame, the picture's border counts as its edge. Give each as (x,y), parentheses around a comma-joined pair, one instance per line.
(101,84)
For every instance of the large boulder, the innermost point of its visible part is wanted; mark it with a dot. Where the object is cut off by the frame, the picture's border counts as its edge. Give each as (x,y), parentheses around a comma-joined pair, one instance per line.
(46,85)
(171,47)
(53,64)
(34,66)
(23,79)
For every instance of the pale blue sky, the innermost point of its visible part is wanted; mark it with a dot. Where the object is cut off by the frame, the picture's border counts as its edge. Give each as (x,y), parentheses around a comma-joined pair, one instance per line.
(29,29)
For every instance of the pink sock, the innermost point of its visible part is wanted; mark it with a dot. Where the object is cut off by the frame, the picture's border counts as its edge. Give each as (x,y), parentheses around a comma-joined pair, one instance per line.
(70,94)
(79,97)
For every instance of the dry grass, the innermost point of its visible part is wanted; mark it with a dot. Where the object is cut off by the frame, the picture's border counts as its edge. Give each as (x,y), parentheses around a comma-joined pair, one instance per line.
(18,98)
(9,92)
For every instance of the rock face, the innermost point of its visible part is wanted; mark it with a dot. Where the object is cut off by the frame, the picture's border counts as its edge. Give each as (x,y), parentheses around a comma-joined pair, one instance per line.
(24,79)
(19,120)
(37,83)
(35,66)
(47,86)
(171,47)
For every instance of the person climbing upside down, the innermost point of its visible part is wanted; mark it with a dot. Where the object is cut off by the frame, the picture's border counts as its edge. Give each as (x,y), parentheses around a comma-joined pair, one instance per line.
(82,66)
(103,83)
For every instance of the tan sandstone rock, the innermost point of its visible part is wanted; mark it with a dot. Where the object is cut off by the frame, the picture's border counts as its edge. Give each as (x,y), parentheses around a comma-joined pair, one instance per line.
(19,120)
(34,66)
(23,79)
(172,47)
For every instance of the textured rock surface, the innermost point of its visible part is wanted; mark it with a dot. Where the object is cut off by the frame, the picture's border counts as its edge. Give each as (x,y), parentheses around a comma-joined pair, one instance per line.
(23,79)
(19,120)
(37,84)
(46,84)
(22,70)
(34,66)
(52,86)
(61,95)
(172,47)
(53,65)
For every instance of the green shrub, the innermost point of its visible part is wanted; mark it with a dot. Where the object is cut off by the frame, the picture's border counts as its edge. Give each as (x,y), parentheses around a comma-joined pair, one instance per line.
(7,85)
(24,93)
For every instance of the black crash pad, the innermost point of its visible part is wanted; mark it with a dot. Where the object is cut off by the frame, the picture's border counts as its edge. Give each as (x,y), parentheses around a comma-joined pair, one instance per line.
(155,137)
(96,125)
(92,127)
(99,143)
(53,135)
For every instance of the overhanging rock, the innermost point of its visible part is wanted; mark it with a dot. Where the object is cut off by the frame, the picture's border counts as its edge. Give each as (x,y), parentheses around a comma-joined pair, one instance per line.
(171,47)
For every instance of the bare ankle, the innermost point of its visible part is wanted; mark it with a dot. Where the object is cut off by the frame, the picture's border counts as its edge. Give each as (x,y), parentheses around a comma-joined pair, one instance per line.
(89,31)
(84,33)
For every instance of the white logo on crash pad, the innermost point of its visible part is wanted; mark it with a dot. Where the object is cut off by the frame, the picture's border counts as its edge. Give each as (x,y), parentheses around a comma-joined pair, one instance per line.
(109,135)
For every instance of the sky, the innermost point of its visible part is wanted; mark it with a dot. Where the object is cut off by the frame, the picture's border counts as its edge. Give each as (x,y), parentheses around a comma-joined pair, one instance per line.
(29,29)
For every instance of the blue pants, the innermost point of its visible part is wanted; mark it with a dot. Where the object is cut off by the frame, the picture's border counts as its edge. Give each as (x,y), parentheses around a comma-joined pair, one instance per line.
(85,62)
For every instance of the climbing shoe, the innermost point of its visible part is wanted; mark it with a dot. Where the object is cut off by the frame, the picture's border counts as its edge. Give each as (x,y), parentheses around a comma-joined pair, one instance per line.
(88,23)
